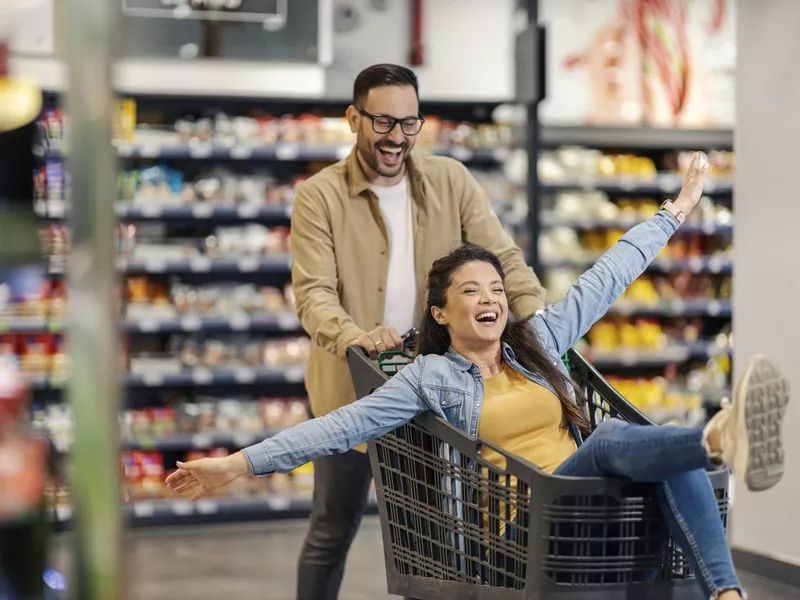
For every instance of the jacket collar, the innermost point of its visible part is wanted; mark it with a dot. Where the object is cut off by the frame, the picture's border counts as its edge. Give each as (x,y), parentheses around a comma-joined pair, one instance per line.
(464,364)
(358,183)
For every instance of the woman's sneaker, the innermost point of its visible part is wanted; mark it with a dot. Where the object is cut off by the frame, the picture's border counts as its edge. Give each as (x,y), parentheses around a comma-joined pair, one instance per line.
(751,428)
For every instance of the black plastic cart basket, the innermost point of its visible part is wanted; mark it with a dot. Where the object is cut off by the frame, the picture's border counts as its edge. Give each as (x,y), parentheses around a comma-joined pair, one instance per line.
(455,526)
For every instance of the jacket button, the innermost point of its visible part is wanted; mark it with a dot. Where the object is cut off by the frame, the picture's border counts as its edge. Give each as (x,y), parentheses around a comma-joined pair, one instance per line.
(380,289)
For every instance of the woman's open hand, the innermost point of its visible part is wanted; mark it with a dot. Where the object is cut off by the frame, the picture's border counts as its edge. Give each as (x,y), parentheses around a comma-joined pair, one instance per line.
(197,478)
(692,189)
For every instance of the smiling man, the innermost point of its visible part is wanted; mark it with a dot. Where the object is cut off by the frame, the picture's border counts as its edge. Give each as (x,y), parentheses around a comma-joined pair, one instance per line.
(365,232)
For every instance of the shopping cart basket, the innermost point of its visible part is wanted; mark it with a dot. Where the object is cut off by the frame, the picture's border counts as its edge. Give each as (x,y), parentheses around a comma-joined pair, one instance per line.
(455,526)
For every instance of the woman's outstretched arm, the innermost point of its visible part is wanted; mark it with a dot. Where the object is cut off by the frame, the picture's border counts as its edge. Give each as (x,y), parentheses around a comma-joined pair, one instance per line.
(393,404)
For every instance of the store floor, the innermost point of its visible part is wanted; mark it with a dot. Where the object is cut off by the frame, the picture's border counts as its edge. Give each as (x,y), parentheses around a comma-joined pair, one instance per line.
(258,561)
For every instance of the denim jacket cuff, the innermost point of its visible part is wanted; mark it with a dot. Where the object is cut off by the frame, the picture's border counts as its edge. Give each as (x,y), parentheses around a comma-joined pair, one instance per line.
(259,459)
(666,221)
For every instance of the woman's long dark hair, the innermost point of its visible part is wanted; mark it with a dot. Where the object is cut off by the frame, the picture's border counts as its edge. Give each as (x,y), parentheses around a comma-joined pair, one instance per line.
(435,339)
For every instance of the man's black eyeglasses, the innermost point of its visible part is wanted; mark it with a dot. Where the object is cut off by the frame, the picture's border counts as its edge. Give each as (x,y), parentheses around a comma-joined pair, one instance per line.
(384,123)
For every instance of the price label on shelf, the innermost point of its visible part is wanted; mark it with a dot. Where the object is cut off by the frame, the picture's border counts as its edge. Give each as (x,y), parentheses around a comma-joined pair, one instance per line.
(202,210)
(201,441)
(201,150)
(715,264)
(155,265)
(294,374)
(149,151)
(501,154)
(200,264)
(677,306)
(461,153)
(148,325)
(242,439)
(147,443)
(669,183)
(206,507)
(182,508)
(587,183)
(708,227)
(287,321)
(343,152)
(247,211)
(627,183)
(202,376)
(153,379)
(714,308)
(279,502)
(665,263)
(695,264)
(152,210)
(709,185)
(247,264)
(241,152)
(239,322)
(288,211)
(244,375)
(124,150)
(191,323)
(624,307)
(143,510)
(287,151)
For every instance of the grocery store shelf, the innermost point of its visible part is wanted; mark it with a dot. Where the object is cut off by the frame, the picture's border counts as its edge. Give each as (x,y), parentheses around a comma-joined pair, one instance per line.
(197,378)
(695,265)
(676,308)
(646,357)
(30,325)
(664,183)
(288,152)
(200,211)
(268,265)
(263,323)
(637,137)
(202,377)
(145,513)
(260,323)
(196,441)
(590,224)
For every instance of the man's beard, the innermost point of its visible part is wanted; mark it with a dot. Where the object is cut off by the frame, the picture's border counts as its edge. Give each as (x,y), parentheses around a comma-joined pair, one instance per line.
(369,154)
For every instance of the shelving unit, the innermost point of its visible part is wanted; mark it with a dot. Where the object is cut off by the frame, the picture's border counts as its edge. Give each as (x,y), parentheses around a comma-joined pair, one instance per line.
(686,303)
(185,263)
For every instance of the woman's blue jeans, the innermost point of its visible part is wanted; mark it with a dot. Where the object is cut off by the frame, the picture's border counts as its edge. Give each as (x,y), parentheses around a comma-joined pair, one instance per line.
(674,457)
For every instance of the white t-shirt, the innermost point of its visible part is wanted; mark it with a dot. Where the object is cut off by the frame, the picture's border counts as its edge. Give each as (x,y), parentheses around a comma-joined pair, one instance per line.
(401,287)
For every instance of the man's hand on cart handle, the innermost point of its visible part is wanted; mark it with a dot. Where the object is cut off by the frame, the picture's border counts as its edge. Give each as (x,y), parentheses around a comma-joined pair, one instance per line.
(381,339)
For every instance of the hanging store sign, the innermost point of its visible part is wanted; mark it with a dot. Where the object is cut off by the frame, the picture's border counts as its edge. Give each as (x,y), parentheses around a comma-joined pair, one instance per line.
(243,11)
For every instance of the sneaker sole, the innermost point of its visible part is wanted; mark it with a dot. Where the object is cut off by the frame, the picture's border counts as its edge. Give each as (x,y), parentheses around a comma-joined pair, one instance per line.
(762,400)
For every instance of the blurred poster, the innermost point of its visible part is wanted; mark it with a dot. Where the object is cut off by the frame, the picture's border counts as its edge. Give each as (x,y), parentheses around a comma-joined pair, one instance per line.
(27,26)
(658,63)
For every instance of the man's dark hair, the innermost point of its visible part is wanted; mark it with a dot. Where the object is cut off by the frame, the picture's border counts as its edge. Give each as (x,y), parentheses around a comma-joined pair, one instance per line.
(379,76)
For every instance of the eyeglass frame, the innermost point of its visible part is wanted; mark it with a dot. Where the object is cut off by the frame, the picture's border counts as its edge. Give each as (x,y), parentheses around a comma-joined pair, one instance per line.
(394,120)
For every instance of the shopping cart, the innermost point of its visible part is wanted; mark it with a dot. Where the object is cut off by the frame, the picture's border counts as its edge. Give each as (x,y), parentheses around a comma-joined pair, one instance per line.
(455,526)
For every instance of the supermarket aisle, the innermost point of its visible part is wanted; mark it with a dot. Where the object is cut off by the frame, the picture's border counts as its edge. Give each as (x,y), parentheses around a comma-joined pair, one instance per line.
(257,561)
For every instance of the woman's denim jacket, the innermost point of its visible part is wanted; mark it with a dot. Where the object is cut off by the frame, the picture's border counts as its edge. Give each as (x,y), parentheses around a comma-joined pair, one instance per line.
(451,386)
